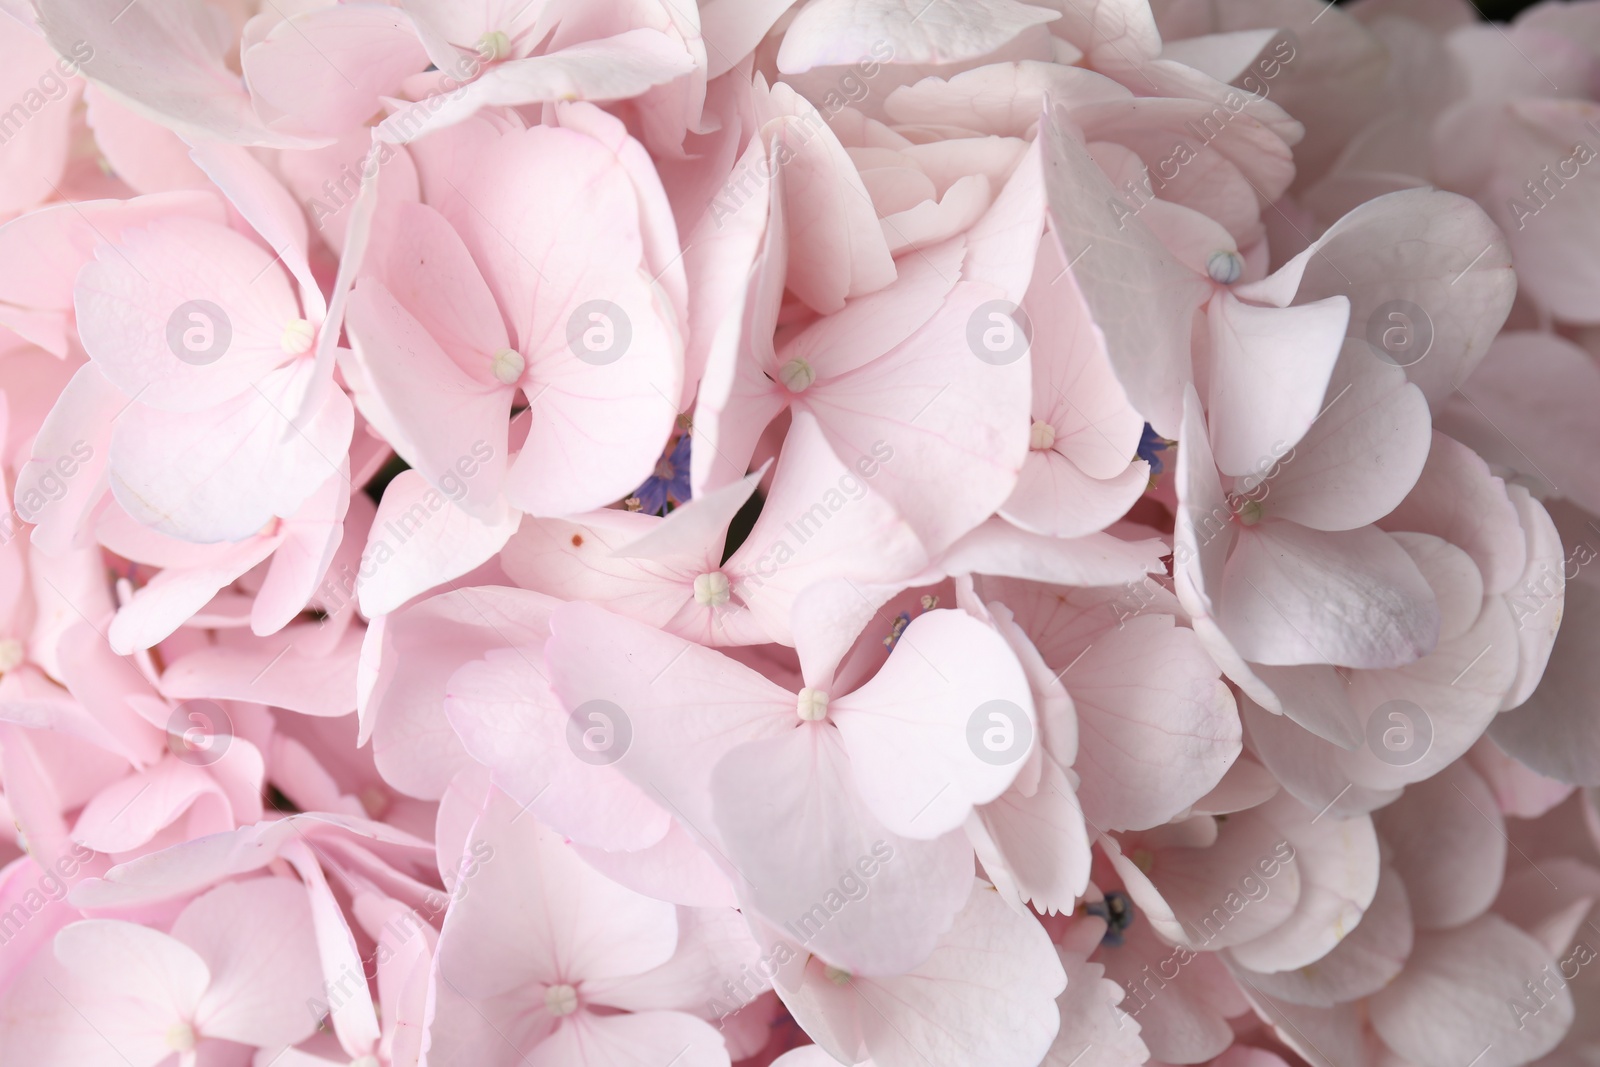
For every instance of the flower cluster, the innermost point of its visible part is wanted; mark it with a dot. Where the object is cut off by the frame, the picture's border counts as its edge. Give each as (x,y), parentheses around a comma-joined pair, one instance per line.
(656,533)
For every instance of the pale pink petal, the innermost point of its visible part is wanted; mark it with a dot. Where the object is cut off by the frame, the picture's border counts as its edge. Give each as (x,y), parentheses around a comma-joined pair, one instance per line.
(1459,499)
(1449,845)
(908,730)
(144,291)
(256,465)
(1035,848)
(956,425)
(167,64)
(1139,296)
(1460,993)
(145,154)
(1433,259)
(634,1040)
(282,672)
(837,247)
(1338,864)
(1157,727)
(534,912)
(1353,598)
(836,33)
(509,720)
(406,667)
(43,87)
(323,70)
(444,420)
(986,991)
(825,519)
(1361,457)
(1532,389)
(1360,965)
(422,539)
(1269,371)
(794,828)
(613,68)
(256,937)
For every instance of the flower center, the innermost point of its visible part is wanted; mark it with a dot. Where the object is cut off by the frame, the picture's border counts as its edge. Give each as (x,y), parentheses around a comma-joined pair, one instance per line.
(11,654)
(1225,267)
(1042,437)
(374,801)
(1117,910)
(1249,511)
(507,366)
(560,1000)
(711,590)
(812,705)
(494,46)
(180,1037)
(796,375)
(297,337)
(835,975)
